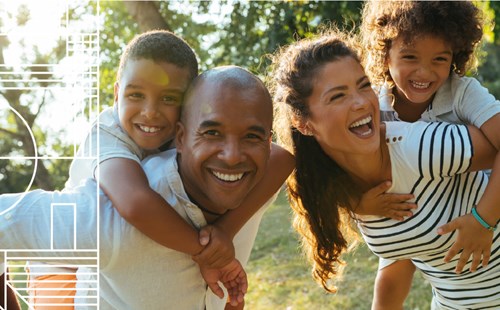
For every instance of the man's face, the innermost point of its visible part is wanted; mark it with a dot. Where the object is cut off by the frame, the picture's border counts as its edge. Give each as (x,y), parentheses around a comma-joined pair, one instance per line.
(224,143)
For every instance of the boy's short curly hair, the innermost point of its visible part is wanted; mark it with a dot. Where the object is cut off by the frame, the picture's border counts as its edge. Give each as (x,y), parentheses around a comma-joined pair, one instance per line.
(459,23)
(160,46)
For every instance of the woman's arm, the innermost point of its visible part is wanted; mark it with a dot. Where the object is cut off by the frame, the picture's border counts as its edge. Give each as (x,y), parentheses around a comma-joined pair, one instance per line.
(473,238)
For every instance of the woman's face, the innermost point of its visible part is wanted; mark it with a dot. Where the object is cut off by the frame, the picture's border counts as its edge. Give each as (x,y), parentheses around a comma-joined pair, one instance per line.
(344,113)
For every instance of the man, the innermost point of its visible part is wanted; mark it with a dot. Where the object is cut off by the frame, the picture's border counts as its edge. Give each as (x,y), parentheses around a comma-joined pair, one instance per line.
(223,145)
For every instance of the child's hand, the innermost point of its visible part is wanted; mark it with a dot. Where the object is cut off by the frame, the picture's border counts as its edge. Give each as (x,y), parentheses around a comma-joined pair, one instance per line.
(472,239)
(232,276)
(219,248)
(377,202)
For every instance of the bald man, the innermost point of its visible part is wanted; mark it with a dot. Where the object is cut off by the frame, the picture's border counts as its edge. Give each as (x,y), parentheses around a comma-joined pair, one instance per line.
(223,146)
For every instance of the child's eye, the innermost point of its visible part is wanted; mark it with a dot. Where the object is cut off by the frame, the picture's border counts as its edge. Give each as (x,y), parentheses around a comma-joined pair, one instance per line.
(409,57)
(136,96)
(170,100)
(441,59)
(366,84)
(336,97)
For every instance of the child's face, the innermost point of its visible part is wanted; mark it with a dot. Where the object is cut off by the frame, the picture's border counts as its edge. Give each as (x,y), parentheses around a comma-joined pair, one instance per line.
(419,69)
(149,97)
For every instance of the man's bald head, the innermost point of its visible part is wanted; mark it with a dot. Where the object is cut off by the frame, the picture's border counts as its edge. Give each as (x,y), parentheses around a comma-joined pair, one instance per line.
(218,79)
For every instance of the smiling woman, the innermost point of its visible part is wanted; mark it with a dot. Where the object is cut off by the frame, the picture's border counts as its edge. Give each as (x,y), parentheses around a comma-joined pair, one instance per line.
(335,164)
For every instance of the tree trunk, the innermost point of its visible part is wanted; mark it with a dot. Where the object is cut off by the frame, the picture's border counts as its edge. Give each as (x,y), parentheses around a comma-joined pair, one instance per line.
(147,15)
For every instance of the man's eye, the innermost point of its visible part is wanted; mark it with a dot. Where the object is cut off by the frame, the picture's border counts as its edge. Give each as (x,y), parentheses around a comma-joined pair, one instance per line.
(211,133)
(253,136)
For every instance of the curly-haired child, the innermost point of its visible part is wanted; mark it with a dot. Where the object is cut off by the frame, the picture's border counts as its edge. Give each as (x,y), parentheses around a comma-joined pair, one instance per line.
(417,55)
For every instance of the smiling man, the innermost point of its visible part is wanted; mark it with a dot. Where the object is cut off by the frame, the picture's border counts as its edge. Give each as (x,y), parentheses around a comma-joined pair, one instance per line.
(223,146)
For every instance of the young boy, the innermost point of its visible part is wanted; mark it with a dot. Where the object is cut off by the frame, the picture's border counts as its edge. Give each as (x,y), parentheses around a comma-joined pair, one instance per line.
(155,71)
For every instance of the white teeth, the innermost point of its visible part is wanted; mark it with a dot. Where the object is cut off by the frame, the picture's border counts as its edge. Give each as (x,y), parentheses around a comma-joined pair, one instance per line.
(361,122)
(149,129)
(228,177)
(420,84)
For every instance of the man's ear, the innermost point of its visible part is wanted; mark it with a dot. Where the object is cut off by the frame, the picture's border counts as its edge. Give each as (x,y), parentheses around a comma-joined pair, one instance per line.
(179,136)
(116,89)
(302,126)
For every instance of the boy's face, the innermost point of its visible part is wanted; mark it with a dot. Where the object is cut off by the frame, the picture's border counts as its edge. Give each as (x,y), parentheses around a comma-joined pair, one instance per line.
(420,69)
(224,143)
(149,97)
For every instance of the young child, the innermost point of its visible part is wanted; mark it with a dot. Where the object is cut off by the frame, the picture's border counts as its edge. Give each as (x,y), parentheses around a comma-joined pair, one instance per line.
(417,55)
(155,71)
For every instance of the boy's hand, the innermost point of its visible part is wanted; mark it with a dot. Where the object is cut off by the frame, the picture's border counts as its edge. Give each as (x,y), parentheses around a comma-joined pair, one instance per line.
(473,239)
(219,248)
(377,202)
(232,276)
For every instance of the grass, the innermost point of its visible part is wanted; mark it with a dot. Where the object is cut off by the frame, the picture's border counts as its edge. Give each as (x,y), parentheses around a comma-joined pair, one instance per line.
(280,277)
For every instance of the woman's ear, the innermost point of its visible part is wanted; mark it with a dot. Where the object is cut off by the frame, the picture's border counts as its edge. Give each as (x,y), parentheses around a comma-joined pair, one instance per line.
(302,126)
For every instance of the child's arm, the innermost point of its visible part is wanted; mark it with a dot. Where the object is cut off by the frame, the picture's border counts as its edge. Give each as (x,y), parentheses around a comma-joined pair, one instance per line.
(392,285)
(377,202)
(473,238)
(279,167)
(126,184)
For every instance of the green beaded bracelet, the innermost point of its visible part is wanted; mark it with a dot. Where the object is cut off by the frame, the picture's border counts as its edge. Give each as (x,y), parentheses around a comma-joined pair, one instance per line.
(481,221)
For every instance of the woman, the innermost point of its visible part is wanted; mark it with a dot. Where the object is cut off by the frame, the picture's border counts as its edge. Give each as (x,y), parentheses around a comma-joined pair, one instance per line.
(328,116)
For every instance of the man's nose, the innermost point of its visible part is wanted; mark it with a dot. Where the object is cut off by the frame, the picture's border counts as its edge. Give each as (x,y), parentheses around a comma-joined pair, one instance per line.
(231,152)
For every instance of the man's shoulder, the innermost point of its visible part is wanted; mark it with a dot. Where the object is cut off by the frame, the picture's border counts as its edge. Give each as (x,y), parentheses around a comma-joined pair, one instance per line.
(161,167)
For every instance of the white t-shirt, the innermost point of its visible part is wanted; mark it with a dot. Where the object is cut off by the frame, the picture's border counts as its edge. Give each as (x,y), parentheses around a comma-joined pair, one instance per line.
(135,272)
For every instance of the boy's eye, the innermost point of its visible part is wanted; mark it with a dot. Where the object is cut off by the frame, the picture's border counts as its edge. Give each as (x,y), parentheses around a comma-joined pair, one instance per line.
(135,95)
(171,100)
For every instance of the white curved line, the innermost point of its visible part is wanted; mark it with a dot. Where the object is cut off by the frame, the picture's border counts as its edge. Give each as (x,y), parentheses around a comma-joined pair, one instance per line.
(36,162)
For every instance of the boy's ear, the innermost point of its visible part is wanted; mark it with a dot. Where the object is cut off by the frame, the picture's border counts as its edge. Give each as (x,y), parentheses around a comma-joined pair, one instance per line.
(116,89)
(179,136)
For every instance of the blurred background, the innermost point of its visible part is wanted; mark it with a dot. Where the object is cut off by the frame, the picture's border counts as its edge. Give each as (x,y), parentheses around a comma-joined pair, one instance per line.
(58,61)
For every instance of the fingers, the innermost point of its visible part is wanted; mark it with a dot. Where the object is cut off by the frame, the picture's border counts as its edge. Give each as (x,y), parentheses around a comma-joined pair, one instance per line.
(448,227)
(216,289)
(486,257)
(464,257)
(204,236)
(452,252)
(379,189)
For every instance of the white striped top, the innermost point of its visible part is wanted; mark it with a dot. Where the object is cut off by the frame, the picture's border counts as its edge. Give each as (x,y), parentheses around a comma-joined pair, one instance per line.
(429,160)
